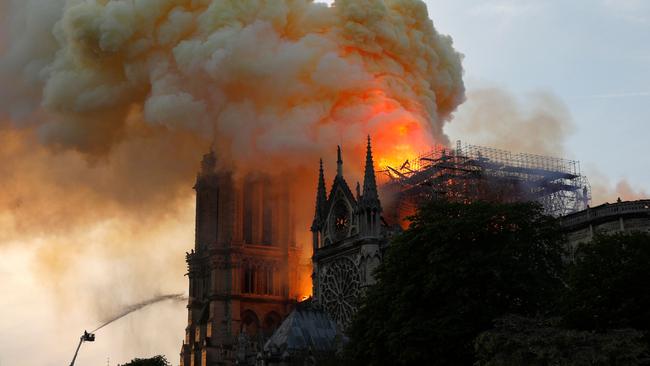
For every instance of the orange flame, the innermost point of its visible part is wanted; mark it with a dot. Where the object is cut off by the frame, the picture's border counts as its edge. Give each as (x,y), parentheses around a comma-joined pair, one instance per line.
(397,127)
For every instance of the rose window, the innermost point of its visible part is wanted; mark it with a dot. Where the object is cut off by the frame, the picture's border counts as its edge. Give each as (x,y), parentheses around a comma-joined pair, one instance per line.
(340,290)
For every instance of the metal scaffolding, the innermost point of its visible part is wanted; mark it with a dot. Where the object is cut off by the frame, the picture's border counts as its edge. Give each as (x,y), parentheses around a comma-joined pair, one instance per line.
(470,173)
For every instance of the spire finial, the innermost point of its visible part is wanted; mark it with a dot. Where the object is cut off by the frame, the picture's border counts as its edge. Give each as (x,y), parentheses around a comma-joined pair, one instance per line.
(321,198)
(322,193)
(339,162)
(370,195)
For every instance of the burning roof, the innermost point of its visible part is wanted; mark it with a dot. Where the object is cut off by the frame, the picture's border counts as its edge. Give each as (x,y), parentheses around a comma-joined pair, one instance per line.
(470,173)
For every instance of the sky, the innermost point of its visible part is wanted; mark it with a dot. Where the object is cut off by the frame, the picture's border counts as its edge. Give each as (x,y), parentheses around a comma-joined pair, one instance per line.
(569,79)
(593,55)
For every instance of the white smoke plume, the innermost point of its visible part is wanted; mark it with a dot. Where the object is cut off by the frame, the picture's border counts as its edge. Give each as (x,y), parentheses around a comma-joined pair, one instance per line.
(107,105)
(255,76)
(537,123)
(604,190)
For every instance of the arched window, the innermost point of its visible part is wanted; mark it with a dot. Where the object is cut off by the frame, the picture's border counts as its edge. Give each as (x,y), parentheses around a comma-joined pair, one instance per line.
(248,278)
(250,323)
(248,211)
(261,288)
(267,213)
(272,321)
(277,288)
(269,281)
(261,279)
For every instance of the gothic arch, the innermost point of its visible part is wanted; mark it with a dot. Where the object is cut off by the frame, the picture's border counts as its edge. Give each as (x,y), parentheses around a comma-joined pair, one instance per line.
(272,321)
(368,260)
(250,323)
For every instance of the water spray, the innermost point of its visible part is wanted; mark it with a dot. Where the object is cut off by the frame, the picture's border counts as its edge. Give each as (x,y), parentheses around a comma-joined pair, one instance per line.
(90,337)
(135,307)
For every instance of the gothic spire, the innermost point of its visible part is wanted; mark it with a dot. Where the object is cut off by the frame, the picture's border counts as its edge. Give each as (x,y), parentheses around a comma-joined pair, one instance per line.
(370,195)
(321,195)
(339,162)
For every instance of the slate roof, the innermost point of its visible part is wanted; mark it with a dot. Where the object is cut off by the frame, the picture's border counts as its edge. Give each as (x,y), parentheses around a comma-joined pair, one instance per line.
(306,328)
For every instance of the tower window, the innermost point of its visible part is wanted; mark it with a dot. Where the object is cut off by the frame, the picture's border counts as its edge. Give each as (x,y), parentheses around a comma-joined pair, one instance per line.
(247,279)
(267,215)
(248,212)
(261,280)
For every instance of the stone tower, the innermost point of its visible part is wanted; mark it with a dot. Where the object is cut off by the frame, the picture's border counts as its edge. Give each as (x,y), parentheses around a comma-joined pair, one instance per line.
(243,270)
(348,240)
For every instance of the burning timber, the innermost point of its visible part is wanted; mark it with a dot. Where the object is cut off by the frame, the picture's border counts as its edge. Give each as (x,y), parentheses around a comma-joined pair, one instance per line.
(471,173)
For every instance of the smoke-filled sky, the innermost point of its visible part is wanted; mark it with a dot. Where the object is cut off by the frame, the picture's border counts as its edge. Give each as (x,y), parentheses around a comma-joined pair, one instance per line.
(107,106)
(592,56)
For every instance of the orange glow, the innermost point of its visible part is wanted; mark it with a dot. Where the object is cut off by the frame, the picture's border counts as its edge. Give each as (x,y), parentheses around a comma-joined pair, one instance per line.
(404,214)
(396,157)
(399,142)
(398,129)
(304,285)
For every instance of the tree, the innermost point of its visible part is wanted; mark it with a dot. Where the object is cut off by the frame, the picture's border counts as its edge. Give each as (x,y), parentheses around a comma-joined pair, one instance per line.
(154,361)
(605,312)
(609,283)
(444,279)
(540,342)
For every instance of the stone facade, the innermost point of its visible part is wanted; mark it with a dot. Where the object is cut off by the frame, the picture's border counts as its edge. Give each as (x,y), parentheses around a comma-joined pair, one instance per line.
(348,241)
(243,271)
(607,218)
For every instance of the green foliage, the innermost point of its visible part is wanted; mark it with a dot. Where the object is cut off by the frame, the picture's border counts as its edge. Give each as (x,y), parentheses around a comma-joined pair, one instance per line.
(609,284)
(455,269)
(519,341)
(608,288)
(154,361)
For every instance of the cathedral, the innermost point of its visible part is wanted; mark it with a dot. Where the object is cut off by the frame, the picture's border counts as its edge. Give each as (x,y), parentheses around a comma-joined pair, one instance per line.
(349,237)
(244,269)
